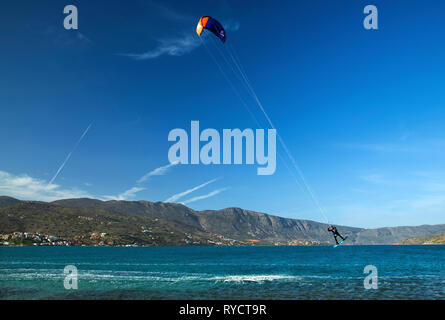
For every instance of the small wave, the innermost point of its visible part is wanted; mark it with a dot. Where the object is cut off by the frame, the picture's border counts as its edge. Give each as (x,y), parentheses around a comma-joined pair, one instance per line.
(255,278)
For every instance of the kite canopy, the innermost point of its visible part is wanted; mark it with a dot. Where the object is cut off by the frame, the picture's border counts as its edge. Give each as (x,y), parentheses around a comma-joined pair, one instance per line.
(213,26)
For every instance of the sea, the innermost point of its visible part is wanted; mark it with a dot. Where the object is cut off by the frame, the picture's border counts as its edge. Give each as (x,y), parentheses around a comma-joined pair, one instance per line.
(282,272)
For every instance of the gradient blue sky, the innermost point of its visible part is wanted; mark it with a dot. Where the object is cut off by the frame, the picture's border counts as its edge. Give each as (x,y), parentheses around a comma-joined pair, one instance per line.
(362,112)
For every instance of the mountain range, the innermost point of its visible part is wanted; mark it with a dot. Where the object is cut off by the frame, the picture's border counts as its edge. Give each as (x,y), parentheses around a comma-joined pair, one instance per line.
(82,220)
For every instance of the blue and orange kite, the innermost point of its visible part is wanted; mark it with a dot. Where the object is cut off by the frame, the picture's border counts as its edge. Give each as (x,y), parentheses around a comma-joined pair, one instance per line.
(213,26)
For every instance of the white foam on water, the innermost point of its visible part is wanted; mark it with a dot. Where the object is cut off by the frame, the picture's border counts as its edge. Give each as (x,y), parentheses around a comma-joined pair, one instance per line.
(142,276)
(256,278)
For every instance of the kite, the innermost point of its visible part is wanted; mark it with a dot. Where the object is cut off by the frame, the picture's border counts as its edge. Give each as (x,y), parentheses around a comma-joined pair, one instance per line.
(213,26)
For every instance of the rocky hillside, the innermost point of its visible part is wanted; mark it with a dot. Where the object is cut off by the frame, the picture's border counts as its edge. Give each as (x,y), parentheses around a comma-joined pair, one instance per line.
(432,240)
(95,226)
(8,201)
(230,223)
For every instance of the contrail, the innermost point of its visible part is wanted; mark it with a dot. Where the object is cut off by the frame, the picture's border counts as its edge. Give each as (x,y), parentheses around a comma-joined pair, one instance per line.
(157,172)
(182,194)
(69,155)
(211,194)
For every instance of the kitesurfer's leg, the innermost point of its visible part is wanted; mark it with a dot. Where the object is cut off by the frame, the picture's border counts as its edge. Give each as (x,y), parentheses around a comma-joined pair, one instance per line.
(335,237)
(338,234)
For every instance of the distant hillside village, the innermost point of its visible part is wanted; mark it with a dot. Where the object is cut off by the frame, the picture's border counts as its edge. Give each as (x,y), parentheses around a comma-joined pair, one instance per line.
(37,239)
(99,239)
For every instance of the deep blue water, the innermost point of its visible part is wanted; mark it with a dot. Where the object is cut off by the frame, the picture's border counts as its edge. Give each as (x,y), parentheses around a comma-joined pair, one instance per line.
(404,272)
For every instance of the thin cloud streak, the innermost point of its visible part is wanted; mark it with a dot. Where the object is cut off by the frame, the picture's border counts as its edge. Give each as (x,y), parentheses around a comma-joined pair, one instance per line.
(182,194)
(376,147)
(168,13)
(157,172)
(171,47)
(377,179)
(84,38)
(211,194)
(178,46)
(130,193)
(69,155)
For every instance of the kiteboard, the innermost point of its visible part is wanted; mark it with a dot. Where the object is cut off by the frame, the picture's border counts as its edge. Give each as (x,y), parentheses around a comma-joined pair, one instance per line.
(336,245)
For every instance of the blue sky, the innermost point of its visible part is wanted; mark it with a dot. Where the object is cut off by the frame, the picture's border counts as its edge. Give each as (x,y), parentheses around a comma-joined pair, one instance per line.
(362,112)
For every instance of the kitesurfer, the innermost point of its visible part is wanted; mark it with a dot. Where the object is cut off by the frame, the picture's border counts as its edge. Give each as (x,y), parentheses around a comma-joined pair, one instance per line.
(334,231)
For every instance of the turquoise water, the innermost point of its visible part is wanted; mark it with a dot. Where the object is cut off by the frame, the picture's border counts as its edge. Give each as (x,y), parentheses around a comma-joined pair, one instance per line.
(404,272)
